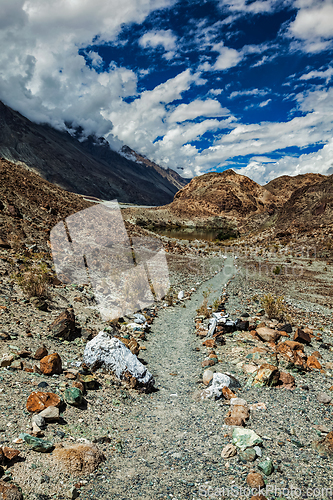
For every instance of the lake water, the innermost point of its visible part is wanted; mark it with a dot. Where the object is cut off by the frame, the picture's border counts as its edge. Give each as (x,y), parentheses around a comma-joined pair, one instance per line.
(188,233)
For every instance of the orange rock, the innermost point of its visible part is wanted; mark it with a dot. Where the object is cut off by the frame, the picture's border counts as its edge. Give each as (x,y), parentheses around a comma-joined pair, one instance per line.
(255,480)
(227,393)
(313,363)
(238,421)
(10,491)
(258,497)
(78,458)
(209,343)
(10,453)
(317,354)
(38,401)
(51,364)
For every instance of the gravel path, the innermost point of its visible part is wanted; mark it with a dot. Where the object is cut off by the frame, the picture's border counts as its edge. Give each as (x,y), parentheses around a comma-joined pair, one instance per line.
(176,443)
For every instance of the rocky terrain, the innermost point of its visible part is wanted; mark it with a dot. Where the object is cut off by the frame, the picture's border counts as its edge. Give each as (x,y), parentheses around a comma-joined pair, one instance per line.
(103,437)
(224,388)
(85,165)
(287,208)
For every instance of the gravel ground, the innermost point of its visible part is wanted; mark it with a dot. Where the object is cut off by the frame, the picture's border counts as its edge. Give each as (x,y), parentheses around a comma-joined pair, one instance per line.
(167,444)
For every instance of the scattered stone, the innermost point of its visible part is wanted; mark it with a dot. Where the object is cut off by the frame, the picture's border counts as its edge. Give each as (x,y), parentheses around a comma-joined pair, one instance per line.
(16,365)
(88,381)
(229,451)
(293,352)
(324,398)
(39,420)
(72,493)
(6,360)
(10,491)
(38,401)
(41,353)
(302,336)
(39,303)
(208,362)
(286,379)
(207,376)
(245,438)
(219,381)
(255,480)
(113,356)
(73,396)
(78,458)
(249,368)
(248,455)
(9,453)
(324,446)
(285,328)
(267,375)
(37,444)
(64,325)
(237,415)
(51,364)
(227,393)
(268,334)
(266,466)
(313,363)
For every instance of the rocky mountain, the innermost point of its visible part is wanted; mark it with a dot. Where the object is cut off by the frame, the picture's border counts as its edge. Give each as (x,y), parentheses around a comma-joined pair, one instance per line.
(87,166)
(225,194)
(31,206)
(308,208)
(285,185)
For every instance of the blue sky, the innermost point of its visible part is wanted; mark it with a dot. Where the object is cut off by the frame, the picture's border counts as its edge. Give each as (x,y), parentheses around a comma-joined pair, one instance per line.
(197,86)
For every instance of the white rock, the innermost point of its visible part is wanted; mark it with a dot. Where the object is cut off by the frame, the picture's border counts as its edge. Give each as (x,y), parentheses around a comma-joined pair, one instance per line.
(220,380)
(139,318)
(181,295)
(207,376)
(39,420)
(112,355)
(50,414)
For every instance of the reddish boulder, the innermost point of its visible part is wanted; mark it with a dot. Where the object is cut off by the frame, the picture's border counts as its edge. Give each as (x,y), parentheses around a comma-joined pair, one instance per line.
(38,401)
(51,364)
(313,363)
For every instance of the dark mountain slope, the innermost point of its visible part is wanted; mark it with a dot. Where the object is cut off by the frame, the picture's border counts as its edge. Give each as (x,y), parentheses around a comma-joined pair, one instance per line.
(89,167)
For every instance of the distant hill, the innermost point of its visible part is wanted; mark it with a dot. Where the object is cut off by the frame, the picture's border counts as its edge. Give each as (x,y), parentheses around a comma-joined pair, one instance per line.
(87,167)
(31,206)
(309,207)
(285,185)
(223,194)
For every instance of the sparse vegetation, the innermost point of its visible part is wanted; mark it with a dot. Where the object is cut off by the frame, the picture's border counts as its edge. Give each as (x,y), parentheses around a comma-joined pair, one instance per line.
(277,270)
(274,306)
(34,279)
(203,309)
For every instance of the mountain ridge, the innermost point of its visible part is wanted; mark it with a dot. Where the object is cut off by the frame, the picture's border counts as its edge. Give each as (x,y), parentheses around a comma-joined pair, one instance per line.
(88,167)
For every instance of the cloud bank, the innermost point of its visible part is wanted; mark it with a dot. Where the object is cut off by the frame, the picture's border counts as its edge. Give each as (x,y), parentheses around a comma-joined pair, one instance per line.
(184,98)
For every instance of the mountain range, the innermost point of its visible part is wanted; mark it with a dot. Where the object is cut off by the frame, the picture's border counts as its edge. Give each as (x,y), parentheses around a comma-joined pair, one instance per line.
(59,165)
(86,166)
